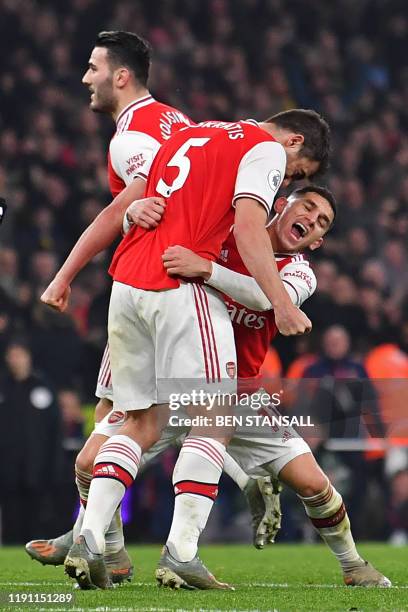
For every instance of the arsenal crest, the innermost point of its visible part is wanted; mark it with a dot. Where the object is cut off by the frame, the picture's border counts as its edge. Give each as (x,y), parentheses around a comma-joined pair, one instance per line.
(231,369)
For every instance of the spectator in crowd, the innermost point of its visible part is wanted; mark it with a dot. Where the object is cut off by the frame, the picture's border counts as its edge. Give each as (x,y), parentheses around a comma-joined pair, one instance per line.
(29,407)
(343,403)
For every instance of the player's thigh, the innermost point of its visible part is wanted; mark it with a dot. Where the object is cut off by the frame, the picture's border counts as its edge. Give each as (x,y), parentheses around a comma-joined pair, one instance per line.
(131,347)
(304,475)
(102,409)
(145,426)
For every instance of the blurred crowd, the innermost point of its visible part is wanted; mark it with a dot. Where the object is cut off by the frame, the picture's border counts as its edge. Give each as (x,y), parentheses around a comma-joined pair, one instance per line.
(214,59)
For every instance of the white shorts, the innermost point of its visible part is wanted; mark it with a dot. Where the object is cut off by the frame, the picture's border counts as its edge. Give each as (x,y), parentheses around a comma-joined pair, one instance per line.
(104,388)
(164,342)
(251,453)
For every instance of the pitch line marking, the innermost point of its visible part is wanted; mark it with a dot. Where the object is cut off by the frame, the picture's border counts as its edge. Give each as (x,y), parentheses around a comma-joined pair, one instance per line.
(265,585)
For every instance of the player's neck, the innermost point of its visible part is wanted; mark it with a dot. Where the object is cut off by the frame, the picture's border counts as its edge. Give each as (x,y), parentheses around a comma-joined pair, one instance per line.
(127,98)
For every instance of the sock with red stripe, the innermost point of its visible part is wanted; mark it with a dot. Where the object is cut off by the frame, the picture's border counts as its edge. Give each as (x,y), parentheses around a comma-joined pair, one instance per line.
(195,479)
(83,482)
(114,538)
(115,468)
(235,471)
(328,515)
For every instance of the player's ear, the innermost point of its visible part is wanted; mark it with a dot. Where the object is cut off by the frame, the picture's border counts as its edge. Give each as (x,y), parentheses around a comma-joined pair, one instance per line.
(295,140)
(121,77)
(280,204)
(316,244)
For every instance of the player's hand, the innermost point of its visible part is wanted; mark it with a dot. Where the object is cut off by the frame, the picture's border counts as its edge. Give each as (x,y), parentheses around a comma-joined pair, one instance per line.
(182,262)
(146,213)
(57,295)
(291,321)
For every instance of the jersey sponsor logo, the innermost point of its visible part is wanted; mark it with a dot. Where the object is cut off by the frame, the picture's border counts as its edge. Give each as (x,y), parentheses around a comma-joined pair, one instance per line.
(300,274)
(231,368)
(242,316)
(168,119)
(274,179)
(116,417)
(134,163)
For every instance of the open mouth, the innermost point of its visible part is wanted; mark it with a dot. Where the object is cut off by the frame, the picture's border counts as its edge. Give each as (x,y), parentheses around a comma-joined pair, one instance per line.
(298,230)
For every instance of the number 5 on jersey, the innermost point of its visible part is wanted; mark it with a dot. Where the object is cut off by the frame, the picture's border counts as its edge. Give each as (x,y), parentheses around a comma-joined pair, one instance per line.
(183,163)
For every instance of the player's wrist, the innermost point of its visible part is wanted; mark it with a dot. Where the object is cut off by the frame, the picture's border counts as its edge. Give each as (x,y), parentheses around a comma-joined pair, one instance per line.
(281,301)
(62,278)
(207,269)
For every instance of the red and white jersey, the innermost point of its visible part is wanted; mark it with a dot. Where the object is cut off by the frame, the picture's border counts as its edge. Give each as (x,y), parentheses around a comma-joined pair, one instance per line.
(255,330)
(140,129)
(200,171)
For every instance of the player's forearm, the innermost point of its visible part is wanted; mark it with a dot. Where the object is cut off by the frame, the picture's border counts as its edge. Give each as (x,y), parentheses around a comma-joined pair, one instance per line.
(241,288)
(255,248)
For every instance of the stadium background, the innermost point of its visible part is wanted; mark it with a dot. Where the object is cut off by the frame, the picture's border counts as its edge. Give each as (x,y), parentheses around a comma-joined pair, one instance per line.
(213,59)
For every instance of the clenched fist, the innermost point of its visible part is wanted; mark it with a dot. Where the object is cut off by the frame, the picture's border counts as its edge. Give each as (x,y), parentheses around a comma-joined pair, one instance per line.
(146,213)
(57,295)
(291,321)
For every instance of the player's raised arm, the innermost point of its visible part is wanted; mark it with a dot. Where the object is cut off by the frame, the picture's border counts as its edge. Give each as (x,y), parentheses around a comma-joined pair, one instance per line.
(97,237)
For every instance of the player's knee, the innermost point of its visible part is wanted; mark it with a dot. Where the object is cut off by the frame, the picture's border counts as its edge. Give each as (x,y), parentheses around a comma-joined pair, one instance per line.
(316,483)
(84,461)
(102,408)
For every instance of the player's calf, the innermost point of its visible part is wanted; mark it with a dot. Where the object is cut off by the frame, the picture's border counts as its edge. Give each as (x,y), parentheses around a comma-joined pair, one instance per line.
(327,512)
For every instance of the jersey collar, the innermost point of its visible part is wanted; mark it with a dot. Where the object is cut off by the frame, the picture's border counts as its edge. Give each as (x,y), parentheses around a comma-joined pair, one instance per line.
(134,105)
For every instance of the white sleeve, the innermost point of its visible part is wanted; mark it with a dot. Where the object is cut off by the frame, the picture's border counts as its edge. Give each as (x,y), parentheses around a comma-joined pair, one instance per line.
(131,154)
(260,173)
(298,278)
(240,287)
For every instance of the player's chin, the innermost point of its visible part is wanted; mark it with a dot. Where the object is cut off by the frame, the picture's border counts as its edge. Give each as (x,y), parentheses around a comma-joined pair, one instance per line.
(290,243)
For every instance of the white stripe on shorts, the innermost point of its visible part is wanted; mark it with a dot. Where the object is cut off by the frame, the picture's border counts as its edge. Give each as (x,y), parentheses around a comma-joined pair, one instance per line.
(211,362)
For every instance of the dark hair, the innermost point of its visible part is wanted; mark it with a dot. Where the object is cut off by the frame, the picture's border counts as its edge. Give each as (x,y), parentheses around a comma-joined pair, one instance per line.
(20,342)
(127,49)
(321,191)
(314,129)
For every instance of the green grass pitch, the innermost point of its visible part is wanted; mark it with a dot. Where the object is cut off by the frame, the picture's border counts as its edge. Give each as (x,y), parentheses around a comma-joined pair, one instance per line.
(282,577)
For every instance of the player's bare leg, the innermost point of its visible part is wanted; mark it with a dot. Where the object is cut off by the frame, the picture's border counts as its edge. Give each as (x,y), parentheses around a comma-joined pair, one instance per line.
(115,468)
(325,508)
